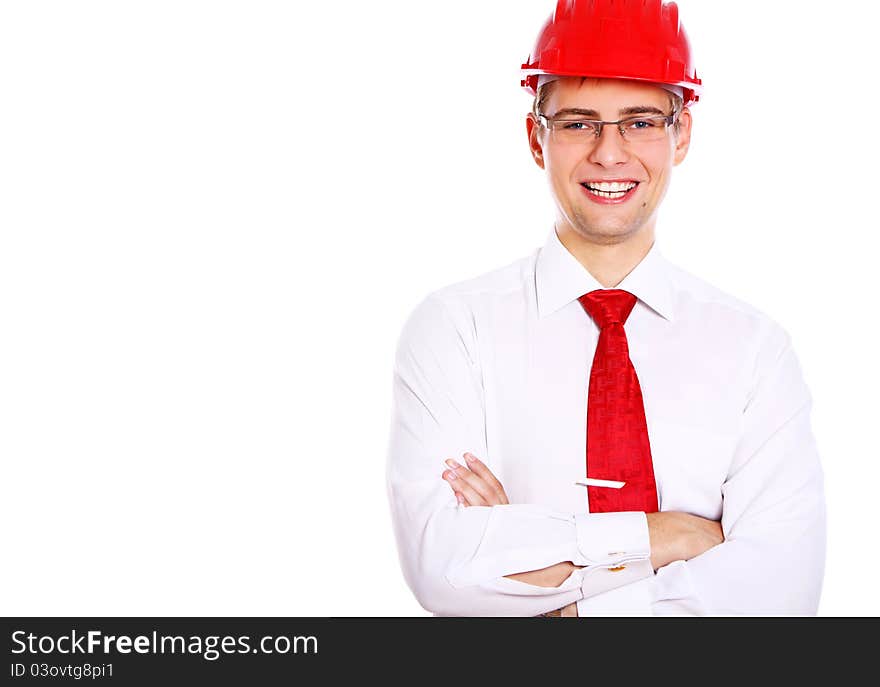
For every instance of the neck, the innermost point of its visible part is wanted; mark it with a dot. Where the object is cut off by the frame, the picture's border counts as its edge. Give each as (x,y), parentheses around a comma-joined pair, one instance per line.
(609,263)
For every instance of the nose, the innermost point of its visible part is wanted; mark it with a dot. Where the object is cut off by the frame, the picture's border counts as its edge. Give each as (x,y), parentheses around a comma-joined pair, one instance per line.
(610,148)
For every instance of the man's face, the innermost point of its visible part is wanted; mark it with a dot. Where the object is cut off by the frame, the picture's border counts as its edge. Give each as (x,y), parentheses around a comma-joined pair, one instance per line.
(573,169)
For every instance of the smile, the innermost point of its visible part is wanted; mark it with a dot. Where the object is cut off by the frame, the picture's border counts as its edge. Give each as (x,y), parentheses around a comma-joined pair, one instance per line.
(605,191)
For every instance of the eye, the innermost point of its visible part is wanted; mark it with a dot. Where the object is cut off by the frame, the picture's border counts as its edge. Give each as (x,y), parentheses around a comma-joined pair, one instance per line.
(577,126)
(641,124)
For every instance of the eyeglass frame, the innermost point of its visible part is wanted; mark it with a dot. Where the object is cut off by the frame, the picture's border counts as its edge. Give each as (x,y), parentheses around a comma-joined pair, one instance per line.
(668,119)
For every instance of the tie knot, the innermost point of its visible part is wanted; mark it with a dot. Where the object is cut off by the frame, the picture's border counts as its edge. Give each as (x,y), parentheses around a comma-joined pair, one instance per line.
(607,306)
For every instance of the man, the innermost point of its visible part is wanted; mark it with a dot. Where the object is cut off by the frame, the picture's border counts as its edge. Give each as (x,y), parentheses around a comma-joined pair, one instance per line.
(592,430)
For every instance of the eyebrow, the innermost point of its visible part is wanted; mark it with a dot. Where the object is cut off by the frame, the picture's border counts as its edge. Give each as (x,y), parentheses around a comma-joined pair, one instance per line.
(648,109)
(635,109)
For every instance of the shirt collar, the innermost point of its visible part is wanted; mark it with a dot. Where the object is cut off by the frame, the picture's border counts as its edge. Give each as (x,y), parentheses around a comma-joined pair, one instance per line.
(561,279)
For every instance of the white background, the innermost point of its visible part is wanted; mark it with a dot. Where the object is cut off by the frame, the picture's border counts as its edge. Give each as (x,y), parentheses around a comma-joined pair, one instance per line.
(215,217)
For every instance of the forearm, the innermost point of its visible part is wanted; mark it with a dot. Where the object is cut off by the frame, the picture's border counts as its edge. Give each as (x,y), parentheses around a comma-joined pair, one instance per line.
(777,570)
(678,536)
(455,560)
(551,576)
(771,562)
(757,572)
(508,560)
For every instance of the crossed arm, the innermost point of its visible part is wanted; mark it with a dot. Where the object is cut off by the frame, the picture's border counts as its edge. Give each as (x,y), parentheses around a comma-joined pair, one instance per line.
(674,535)
(485,556)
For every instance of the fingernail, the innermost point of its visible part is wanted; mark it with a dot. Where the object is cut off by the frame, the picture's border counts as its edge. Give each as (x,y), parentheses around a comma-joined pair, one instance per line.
(460,499)
(450,475)
(451,463)
(469,457)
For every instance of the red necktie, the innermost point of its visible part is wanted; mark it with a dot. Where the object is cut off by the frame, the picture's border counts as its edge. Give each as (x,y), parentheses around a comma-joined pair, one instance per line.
(617,434)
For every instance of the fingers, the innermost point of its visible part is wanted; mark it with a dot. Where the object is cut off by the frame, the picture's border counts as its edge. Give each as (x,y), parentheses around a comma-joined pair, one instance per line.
(475,482)
(480,470)
(463,488)
(476,486)
(471,484)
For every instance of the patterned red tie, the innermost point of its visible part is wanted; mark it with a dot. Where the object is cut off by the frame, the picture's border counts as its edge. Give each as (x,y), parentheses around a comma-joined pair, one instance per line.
(617,434)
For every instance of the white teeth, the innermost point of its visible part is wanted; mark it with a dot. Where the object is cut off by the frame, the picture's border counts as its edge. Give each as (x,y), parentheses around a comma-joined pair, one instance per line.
(610,189)
(611,186)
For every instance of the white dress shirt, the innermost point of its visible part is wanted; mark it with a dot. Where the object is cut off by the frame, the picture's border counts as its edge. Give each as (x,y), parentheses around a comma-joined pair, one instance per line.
(499,366)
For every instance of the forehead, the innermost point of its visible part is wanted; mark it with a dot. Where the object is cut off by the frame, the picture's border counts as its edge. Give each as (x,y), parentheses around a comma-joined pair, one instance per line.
(605,95)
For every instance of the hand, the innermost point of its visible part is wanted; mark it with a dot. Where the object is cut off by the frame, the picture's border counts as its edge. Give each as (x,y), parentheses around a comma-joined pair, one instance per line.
(677,536)
(474,485)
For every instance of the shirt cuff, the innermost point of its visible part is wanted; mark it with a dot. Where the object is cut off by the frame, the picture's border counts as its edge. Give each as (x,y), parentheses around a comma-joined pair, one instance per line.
(635,598)
(612,539)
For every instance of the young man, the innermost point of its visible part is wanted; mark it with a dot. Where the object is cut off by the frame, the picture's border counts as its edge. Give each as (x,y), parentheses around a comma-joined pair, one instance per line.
(592,430)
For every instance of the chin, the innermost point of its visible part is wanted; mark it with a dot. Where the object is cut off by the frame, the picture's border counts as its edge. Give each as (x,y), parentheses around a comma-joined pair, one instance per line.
(606,234)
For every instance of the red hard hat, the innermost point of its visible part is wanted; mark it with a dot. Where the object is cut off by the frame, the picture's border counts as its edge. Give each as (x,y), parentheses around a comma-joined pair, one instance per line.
(615,39)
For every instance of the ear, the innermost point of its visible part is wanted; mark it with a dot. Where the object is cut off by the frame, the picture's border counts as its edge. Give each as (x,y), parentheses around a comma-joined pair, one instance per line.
(683,138)
(534,130)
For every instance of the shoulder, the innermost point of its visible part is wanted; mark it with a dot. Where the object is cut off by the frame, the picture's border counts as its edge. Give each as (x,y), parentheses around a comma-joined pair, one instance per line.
(498,283)
(728,318)
(460,300)
(450,313)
